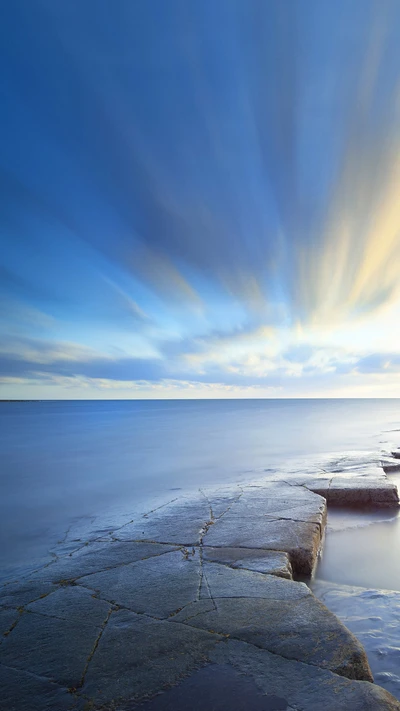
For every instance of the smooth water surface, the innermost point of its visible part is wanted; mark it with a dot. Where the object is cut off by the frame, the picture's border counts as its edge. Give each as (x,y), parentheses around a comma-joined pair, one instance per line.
(64,460)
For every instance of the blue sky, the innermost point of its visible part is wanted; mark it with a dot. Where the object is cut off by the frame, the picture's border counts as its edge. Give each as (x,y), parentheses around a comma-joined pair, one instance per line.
(200,198)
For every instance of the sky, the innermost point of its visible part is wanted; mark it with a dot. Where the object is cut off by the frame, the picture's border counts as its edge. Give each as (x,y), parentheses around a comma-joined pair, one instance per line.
(200,199)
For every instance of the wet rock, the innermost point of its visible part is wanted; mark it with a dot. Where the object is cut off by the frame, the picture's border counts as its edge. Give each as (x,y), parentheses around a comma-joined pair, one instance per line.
(294,625)
(50,647)
(222,581)
(72,603)
(219,687)
(137,657)
(301,541)
(303,686)
(118,621)
(22,691)
(7,620)
(272,562)
(21,593)
(157,586)
(180,523)
(98,556)
(362,492)
(390,467)
(356,491)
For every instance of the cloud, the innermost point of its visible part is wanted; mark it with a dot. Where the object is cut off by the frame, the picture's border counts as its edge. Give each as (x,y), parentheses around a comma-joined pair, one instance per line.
(236,225)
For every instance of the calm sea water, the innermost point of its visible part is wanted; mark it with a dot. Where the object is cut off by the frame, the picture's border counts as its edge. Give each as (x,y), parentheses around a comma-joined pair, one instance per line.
(62,461)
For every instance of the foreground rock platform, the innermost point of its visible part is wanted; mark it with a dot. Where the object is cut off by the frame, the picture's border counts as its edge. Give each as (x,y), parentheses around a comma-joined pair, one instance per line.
(196,592)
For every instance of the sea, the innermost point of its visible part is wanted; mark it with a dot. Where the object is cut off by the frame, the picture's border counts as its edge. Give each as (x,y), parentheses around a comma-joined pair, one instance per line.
(66,464)
(61,461)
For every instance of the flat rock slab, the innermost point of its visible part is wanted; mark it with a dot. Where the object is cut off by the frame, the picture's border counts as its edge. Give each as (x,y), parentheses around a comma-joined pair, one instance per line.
(282,616)
(7,620)
(181,523)
(93,558)
(219,687)
(304,687)
(271,562)
(50,647)
(242,677)
(223,581)
(158,586)
(301,541)
(22,691)
(21,593)
(137,656)
(72,603)
(195,582)
(357,491)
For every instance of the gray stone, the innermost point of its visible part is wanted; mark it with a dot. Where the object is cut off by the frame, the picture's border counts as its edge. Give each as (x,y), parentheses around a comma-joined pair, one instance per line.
(72,603)
(21,593)
(7,620)
(197,572)
(157,586)
(303,686)
(138,657)
(221,500)
(219,687)
(99,556)
(300,540)
(302,629)
(389,467)
(227,582)
(21,691)
(319,485)
(181,523)
(370,489)
(272,562)
(50,647)
(363,492)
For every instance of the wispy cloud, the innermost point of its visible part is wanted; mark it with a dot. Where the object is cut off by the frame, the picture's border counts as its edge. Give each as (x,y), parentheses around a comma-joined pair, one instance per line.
(238,225)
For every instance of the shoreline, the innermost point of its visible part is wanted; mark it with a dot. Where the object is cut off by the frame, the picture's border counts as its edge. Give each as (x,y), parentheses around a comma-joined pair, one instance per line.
(203,581)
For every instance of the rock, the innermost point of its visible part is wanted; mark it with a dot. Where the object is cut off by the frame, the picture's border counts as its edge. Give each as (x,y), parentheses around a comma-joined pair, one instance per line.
(356,491)
(21,593)
(222,581)
(95,556)
(23,691)
(50,647)
(137,657)
(72,603)
(291,623)
(302,686)
(261,561)
(157,586)
(287,519)
(7,620)
(198,582)
(351,492)
(181,523)
(301,541)
(390,467)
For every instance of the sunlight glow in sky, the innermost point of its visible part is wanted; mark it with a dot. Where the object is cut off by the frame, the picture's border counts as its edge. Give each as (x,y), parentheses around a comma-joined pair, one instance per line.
(200,199)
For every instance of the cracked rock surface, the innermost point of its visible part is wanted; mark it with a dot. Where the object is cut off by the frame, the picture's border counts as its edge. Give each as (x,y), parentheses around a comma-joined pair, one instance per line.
(200,588)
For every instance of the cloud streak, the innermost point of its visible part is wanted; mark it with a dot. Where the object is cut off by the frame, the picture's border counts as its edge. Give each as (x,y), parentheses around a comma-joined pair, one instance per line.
(202,192)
